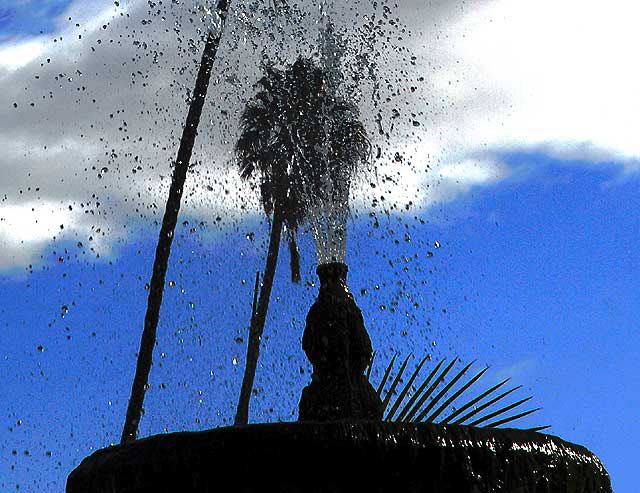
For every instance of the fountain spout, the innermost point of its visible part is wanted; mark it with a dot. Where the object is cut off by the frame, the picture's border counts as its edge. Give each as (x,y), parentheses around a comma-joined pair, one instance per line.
(336,342)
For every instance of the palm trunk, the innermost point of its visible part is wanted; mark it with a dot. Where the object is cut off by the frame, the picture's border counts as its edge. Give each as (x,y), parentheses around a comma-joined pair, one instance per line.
(257,322)
(294,258)
(163,249)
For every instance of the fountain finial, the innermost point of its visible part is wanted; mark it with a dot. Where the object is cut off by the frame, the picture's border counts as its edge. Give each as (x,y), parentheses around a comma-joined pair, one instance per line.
(337,344)
(333,271)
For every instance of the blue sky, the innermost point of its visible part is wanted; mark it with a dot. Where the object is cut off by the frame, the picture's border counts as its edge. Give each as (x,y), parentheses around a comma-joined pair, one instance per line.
(536,282)
(22,18)
(536,274)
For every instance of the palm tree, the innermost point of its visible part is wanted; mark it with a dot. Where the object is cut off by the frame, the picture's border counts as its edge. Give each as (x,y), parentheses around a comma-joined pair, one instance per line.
(304,143)
(169,220)
(416,403)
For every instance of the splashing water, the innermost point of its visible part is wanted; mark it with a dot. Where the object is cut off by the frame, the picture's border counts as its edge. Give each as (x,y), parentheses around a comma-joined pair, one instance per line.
(209,15)
(329,218)
(329,227)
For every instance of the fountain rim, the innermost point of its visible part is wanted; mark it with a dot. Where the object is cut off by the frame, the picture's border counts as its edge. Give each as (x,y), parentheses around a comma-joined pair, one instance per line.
(413,448)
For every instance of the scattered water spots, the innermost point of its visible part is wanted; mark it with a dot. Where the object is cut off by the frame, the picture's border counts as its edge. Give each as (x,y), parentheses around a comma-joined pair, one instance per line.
(104,110)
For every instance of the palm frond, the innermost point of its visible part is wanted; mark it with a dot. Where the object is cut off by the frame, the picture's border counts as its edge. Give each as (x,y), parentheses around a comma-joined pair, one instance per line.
(387,372)
(403,393)
(460,391)
(538,428)
(368,368)
(392,389)
(438,394)
(512,418)
(499,411)
(427,394)
(295,132)
(472,402)
(482,407)
(418,393)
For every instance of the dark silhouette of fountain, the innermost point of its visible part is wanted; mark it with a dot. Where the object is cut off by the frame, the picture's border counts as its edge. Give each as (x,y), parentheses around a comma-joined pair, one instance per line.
(341,443)
(338,346)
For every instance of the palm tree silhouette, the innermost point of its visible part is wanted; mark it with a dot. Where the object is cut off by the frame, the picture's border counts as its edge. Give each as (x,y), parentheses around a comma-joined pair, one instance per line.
(169,221)
(304,142)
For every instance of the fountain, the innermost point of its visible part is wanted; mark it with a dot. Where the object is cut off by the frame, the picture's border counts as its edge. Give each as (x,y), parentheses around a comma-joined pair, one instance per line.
(340,442)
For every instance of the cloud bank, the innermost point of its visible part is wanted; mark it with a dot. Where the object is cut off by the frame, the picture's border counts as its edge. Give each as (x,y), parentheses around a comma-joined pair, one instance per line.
(91,114)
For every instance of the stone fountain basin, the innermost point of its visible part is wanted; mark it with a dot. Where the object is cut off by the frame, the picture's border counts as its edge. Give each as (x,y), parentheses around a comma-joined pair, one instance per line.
(345,456)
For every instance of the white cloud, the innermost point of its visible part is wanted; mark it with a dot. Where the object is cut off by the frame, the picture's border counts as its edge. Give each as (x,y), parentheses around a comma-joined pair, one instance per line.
(109,104)
(470,172)
(27,228)
(86,17)
(562,77)
(31,221)
(14,56)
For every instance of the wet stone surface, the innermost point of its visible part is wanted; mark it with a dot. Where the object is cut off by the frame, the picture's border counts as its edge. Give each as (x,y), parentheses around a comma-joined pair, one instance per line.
(344,456)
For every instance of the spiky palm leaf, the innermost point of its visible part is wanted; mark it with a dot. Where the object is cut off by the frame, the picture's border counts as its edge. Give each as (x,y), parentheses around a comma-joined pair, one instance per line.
(412,408)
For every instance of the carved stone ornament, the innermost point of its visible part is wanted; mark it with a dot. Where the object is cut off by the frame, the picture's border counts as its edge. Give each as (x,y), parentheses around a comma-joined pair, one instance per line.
(337,344)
